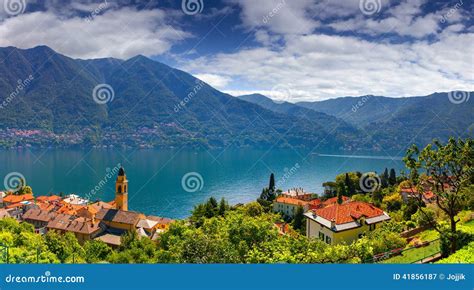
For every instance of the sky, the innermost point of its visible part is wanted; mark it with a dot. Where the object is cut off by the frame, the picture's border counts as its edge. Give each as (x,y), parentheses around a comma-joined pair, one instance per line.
(289,50)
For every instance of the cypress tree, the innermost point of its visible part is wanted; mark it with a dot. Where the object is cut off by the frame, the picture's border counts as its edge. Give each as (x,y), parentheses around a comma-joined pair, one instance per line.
(393,177)
(349,185)
(384,178)
(271,186)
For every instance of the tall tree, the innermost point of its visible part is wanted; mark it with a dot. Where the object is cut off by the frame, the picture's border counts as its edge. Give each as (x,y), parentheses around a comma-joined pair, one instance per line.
(271,186)
(341,191)
(299,219)
(384,179)
(392,179)
(450,171)
(349,185)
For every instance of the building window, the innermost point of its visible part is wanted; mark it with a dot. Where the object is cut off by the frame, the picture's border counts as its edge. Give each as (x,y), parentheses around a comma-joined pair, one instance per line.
(328,240)
(321,236)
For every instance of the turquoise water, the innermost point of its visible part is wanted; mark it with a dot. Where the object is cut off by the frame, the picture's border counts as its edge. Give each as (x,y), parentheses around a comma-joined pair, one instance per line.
(155,176)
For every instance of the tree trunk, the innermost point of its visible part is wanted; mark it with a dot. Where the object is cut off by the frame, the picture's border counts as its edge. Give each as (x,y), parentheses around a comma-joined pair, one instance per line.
(453,235)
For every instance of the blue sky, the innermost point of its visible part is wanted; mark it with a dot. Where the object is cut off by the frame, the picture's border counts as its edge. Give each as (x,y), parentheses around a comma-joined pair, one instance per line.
(290,50)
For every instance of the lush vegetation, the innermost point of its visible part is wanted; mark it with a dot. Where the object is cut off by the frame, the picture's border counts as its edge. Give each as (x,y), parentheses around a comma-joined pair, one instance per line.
(244,234)
(219,233)
(464,255)
(451,173)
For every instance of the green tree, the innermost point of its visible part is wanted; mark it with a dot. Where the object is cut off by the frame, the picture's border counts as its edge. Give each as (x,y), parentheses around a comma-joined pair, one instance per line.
(271,185)
(341,191)
(299,219)
(349,185)
(450,168)
(384,178)
(392,179)
(96,251)
(223,207)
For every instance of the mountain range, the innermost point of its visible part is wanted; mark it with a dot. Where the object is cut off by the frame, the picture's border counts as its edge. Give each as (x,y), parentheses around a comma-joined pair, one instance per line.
(49,99)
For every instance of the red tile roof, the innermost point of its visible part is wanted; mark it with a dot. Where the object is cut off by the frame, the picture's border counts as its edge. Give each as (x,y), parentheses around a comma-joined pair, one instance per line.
(333,200)
(292,201)
(348,212)
(12,198)
(51,198)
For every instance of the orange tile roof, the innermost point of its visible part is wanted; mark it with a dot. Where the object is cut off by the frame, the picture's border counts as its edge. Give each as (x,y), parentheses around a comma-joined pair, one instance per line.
(50,198)
(12,198)
(292,201)
(348,212)
(13,205)
(333,200)
(70,209)
(45,206)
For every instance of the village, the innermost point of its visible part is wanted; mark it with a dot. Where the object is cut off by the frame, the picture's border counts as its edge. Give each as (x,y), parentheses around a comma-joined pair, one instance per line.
(331,217)
(99,220)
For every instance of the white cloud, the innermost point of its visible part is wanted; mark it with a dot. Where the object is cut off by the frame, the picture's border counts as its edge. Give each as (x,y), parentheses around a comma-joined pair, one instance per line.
(278,16)
(119,33)
(217,81)
(315,67)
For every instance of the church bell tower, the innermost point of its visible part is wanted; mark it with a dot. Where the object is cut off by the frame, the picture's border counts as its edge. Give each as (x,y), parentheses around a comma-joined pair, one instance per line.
(121,191)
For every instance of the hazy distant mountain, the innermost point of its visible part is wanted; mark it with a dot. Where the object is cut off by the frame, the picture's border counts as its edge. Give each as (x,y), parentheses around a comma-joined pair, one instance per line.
(330,122)
(389,122)
(153,105)
(360,111)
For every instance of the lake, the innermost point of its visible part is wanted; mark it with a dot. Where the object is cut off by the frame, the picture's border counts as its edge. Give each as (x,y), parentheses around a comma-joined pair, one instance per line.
(156,184)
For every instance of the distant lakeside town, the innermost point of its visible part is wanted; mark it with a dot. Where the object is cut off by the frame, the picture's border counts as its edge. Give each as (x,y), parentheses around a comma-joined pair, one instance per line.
(364,217)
